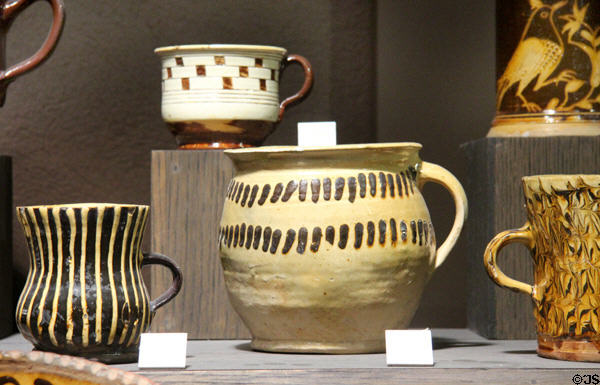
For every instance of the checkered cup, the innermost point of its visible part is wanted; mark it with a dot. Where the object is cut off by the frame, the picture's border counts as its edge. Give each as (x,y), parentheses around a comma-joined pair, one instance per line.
(219,96)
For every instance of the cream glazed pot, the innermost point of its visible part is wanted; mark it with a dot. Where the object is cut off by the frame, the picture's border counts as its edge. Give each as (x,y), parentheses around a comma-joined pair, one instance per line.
(325,248)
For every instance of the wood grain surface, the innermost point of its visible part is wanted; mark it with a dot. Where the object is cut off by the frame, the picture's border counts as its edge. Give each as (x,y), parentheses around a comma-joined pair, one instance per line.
(386,376)
(188,190)
(461,357)
(495,168)
(7,309)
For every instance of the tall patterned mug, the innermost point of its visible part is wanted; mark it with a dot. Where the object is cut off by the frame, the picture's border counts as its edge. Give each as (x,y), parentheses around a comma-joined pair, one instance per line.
(9,10)
(84,294)
(548,68)
(225,96)
(562,231)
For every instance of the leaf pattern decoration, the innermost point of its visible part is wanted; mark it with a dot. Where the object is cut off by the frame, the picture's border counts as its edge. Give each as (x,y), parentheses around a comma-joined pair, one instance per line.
(565,224)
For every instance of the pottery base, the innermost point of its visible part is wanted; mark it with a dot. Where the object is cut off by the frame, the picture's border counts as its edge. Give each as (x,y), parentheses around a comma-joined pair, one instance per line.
(213,146)
(122,357)
(291,346)
(545,126)
(220,134)
(569,349)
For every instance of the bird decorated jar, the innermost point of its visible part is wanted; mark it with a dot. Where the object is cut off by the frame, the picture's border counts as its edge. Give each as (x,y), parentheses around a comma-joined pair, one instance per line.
(548,68)
(84,294)
(325,248)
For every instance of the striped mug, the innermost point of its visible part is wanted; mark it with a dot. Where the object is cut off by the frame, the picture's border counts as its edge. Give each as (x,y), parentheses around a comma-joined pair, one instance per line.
(84,293)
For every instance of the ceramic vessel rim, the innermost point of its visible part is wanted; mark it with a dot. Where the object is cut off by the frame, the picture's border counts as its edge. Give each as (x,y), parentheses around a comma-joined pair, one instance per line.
(317,149)
(82,205)
(559,177)
(76,365)
(192,48)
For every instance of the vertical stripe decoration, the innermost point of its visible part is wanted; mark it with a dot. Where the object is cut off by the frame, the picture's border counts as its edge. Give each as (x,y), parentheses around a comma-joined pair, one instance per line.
(84,293)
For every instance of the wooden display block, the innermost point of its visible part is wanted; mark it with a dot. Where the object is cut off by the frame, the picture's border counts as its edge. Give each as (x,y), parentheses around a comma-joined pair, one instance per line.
(188,190)
(496,203)
(7,305)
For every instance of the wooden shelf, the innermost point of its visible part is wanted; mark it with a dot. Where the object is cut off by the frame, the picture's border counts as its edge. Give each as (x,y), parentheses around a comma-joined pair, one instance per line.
(460,356)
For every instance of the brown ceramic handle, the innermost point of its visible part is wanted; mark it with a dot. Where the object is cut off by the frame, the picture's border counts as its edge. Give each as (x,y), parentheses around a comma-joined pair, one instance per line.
(159,259)
(522,235)
(308,81)
(9,11)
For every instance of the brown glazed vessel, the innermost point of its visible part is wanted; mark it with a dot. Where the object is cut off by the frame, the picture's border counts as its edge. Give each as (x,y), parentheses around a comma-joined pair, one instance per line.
(562,232)
(39,368)
(9,10)
(84,293)
(548,68)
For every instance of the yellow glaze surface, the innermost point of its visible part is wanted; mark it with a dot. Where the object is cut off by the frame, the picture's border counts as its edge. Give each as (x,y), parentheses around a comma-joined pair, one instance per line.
(325,249)
(562,232)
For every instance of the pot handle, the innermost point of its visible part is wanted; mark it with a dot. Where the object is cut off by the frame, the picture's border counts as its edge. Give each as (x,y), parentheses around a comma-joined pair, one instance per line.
(522,235)
(159,259)
(308,81)
(431,172)
(10,10)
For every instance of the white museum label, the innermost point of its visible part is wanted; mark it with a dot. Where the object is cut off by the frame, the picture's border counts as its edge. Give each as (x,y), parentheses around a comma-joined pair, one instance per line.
(408,347)
(162,350)
(312,134)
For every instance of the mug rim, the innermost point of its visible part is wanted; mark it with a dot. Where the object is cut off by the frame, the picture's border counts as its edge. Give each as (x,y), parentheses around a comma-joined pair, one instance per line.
(82,205)
(344,155)
(558,177)
(559,182)
(192,48)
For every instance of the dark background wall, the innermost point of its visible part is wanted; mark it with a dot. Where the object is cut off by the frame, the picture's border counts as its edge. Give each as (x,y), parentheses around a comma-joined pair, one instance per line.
(436,86)
(82,126)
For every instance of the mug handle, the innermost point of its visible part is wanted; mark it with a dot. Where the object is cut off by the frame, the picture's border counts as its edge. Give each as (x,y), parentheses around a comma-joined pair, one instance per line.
(431,172)
(9,11)
(308,81)
(522,235)
(159,259)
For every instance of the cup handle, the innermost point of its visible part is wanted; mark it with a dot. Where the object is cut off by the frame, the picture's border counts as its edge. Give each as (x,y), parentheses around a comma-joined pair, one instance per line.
(9,11)
(433,173)
(159,259)
(522,235)
(308,81)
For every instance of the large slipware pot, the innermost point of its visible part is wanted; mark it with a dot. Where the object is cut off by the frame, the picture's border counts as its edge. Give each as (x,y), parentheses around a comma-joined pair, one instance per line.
(323,249)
